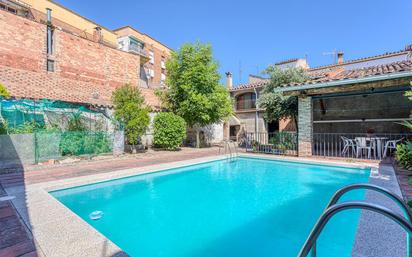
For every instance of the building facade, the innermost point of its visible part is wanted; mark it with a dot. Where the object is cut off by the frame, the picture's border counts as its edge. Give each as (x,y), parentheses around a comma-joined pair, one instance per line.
(49,59)
(248,116)
(153,70)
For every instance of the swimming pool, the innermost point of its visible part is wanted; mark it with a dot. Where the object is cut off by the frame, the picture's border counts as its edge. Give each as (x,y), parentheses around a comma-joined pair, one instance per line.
(248,207)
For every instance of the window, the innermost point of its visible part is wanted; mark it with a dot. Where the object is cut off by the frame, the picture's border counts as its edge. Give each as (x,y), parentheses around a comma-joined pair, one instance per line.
(163,63)
(150,73)
(151,56)
(50,34)
(50,65)
(246,101)
(162,78)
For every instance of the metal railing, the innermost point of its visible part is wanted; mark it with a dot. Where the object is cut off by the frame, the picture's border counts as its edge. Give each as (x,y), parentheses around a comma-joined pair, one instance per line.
(138,50)
(334,208)
(355,145)
(280,143)
(230,148)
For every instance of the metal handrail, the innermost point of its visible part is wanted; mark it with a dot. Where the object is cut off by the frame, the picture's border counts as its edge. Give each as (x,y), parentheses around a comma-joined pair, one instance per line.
(335,198)
(227,148)
(334,209)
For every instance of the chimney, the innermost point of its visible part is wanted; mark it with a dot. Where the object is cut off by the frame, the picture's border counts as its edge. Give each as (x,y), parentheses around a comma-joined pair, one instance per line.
(340,58)
(49,17)
(229,80)
(97,35)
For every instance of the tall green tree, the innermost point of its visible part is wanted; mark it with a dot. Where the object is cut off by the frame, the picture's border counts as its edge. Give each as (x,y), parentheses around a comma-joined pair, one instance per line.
(131,112)
(194,92)
(278,106)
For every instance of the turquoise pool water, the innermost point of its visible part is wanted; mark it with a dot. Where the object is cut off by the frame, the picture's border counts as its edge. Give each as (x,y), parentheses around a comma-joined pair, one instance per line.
(248,208)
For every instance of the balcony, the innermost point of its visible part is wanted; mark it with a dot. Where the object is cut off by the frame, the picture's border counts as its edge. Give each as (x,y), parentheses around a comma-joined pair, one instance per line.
(138,50)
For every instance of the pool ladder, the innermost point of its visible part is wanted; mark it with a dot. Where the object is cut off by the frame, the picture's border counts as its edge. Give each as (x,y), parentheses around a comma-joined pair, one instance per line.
(230,149)
(333,208)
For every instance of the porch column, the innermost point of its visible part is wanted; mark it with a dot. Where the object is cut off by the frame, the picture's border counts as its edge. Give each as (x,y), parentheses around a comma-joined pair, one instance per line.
(305,126)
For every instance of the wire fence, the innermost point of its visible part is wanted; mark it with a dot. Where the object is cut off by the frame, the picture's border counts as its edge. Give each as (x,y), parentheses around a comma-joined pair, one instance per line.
(44,146)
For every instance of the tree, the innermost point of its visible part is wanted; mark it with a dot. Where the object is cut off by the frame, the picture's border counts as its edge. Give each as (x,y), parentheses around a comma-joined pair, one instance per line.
(169,130)
(3,91)
(131,112)
(276,105)
(195,93)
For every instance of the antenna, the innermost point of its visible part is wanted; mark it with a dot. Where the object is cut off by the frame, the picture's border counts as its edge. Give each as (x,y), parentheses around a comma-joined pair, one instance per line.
(257,70)
(334,53)
(240,71)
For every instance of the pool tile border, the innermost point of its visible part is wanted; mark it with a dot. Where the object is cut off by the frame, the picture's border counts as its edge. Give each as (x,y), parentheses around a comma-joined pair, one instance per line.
(60,232)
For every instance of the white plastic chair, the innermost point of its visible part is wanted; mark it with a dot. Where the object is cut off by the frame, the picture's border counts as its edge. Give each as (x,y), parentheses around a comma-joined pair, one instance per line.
(347,145)
(362,143)
(391,144)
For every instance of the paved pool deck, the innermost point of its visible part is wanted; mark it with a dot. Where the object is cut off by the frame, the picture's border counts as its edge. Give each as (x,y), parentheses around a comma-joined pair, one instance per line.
(49,229)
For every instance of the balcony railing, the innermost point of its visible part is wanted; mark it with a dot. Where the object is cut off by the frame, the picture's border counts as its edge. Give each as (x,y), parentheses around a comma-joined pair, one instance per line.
(279,143)
(245,105)
(138,50)
(358,145)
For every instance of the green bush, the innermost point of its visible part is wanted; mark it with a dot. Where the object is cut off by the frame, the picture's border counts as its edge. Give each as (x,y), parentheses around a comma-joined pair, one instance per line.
(169,130)
(404,155)
(26,128)
(72,143)
(3,91)
(131,112)
(97,143)
(284,140)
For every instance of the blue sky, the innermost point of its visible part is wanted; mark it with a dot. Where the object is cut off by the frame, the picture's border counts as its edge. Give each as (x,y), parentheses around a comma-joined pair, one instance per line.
(261,32)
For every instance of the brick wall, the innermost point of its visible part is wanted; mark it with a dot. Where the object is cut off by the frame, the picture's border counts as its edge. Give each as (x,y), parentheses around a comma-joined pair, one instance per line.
(305,125)
(85,71)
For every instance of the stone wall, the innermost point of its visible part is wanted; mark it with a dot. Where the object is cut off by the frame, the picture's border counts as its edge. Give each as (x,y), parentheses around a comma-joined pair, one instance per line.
(305,120)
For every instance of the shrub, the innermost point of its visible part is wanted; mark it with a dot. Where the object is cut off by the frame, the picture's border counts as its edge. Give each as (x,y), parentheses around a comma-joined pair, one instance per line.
(131,112)
(283,140)
(97,143)
(169,130)
(72,143)
(404,155)
(25,128)
(3,91)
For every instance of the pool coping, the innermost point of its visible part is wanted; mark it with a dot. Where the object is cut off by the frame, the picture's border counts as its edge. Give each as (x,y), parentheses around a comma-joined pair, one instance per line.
(59,232)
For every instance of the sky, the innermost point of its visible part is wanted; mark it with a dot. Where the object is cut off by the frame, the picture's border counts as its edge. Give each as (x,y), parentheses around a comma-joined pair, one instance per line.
(247,36)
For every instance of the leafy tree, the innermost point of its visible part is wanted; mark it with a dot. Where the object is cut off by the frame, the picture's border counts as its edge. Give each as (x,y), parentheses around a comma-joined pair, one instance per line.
(169,130)
(195,93)
(131,112)
(276,105)
(3,91)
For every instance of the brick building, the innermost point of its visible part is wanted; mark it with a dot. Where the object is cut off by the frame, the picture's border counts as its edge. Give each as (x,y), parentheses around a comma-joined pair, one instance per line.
(153,71)
(51,60)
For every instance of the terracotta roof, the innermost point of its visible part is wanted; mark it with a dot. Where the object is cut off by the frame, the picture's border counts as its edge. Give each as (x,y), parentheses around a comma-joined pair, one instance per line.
(385,55)
(287,61)
(341,74)
(250,85)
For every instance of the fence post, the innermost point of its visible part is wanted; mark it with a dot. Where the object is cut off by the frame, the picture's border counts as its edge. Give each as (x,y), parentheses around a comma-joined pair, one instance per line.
(36,152)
